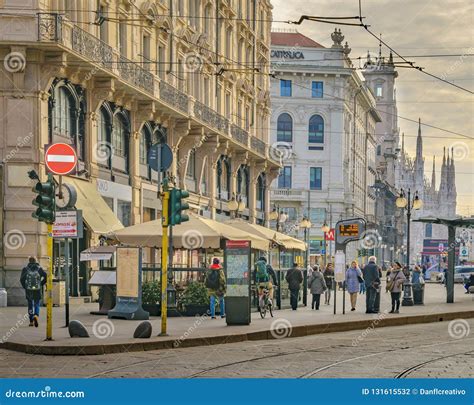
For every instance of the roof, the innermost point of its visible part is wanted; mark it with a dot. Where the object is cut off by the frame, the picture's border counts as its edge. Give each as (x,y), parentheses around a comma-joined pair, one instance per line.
(293,39)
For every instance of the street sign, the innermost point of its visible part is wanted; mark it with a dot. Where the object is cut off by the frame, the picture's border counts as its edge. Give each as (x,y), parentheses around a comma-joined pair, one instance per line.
(160,157)
(60,158)
(349,230)
(68,224)
(330,234)
(464,251)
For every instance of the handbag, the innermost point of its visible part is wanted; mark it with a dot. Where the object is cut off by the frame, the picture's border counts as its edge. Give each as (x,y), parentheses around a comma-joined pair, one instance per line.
(361,280)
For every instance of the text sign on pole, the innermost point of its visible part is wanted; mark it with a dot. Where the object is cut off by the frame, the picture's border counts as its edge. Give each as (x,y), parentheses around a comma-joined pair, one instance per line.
(349,230)
(160,157)
(60,158)
(68,224)
(339,266)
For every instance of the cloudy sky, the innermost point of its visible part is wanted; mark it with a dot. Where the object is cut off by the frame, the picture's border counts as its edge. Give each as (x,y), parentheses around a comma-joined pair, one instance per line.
(413,28)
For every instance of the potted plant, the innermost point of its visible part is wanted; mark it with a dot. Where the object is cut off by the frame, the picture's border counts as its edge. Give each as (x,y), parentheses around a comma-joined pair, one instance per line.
(195,299)
(151,297)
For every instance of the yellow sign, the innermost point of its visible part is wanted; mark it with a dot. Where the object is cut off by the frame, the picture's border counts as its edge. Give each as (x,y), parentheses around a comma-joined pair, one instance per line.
(351,230)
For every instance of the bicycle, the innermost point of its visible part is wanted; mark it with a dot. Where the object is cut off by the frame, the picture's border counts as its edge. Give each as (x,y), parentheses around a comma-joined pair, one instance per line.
(265,303)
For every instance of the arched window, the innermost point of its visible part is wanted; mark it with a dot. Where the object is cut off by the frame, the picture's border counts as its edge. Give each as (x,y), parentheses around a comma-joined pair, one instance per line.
(243,183)
(285,128)
(66,116)
(119,136)
(145,143)
(316,129)
(223,178)
(261,192)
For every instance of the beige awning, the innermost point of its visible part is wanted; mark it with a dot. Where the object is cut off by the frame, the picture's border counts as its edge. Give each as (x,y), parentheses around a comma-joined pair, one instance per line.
(198,232)
(95,211)
(288,242)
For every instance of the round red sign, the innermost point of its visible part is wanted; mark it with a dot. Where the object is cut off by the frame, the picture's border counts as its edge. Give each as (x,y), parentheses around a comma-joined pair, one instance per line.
(60,158)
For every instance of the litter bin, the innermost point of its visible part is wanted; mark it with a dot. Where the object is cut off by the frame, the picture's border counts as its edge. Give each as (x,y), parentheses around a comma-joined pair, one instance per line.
(418,294)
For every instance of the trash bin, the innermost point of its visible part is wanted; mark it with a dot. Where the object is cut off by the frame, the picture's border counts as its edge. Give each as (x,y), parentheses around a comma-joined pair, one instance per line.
(418,294)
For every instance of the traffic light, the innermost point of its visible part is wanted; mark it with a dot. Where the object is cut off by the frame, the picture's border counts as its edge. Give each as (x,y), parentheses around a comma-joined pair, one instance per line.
(177,206)
(45,201)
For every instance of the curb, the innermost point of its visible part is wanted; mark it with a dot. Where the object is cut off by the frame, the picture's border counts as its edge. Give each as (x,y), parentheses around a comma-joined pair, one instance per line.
(169,343)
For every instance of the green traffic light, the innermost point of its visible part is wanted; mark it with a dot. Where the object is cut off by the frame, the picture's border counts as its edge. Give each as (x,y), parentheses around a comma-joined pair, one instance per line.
(45,201)
(177,206)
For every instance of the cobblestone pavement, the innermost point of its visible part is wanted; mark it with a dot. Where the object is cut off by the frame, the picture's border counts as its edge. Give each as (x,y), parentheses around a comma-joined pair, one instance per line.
(441,350)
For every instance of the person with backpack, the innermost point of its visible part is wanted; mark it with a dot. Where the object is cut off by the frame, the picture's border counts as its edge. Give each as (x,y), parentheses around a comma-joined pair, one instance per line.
(395,285)
(32,279)
(265,277)
(294,277)
(216,285)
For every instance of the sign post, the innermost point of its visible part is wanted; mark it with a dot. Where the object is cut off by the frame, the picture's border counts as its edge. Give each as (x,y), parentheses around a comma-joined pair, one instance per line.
(60,158)
(237,265)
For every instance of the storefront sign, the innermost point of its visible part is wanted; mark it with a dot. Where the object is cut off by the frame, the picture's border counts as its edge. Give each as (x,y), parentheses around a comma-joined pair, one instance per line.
(287,54)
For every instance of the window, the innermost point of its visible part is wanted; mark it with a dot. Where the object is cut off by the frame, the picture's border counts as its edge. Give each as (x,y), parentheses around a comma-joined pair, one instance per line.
(316,129)
(428,230)
(146,52)
(144,147)
(223,178)
(243,183)
(124,210)
(379,90)
(285,88)
(315,180)
(317,90)
(62,113)
(118,137)
(161,61)
(122,37)
(379,150)
(284,179)
(290,212)
(317,215)
(261,192)
(191,169)
(285,128)
(103,26)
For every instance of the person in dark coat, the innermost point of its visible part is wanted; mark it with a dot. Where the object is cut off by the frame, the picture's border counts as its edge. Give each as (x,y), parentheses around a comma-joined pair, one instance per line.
(294,277)
(32,279)
(377,294)
(317,285)
(372,283)
(328,279)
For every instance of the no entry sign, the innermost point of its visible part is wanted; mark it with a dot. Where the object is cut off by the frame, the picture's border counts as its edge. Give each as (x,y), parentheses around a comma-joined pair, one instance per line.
(60,158)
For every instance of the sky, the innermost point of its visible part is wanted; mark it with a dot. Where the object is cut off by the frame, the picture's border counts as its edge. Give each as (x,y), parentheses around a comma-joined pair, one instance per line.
(414,28)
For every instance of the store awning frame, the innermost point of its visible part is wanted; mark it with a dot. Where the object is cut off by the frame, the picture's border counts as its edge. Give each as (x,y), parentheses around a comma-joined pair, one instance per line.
(95,253)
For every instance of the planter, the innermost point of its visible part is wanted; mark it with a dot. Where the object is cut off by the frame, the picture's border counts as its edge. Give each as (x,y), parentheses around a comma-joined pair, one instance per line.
(196,310)
(152,309)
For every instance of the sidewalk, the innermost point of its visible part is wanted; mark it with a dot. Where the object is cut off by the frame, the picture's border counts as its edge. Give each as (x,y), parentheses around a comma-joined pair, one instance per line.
(113,336)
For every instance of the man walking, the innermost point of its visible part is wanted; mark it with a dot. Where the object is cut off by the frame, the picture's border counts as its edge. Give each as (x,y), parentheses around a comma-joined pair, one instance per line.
(294,277)
(216,285)
(372,283)
(32,279)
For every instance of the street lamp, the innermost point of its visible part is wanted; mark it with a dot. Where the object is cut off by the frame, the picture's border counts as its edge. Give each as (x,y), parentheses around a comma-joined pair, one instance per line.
(408,203)
(325,228)
(306,225)
(236,205)
(278,215)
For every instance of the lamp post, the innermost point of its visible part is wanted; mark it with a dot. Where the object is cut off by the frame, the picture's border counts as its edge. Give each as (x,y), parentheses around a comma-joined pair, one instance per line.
(408,203)
(236,205)
(383,247)
(280,217)
(325,228)
(306,225)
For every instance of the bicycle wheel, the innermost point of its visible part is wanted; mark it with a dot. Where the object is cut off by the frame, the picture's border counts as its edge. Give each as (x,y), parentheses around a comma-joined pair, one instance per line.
(270,309)
(262,308)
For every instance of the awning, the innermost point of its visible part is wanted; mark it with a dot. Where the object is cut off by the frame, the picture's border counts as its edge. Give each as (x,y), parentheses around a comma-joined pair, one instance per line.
(97,253)
(288,242)
(198,232)
(95,211)
(103,277)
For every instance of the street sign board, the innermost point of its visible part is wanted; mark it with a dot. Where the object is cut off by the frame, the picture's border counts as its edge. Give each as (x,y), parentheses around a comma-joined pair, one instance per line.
(160,157)
(464,251)
(349,230)
(68,224)
(60,158)
(339,266)
(330,234)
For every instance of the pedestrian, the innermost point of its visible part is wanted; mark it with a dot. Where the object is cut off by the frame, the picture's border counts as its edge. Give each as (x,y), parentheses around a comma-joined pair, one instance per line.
(362,288)
(216,285)
(372,283)
(468,283)
(416,275)
(329,280)
(394,285)
(353,278)
(32,279)
(317,285)
(294,277)
(377,293)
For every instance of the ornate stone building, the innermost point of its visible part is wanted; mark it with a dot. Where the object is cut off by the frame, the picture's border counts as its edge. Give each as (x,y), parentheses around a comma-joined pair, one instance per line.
(324,120)
(112,77)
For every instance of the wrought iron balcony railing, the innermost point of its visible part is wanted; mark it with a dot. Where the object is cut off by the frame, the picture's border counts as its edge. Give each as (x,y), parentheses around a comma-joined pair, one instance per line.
(210,117)
(239,134)
(173,96)
(258,145)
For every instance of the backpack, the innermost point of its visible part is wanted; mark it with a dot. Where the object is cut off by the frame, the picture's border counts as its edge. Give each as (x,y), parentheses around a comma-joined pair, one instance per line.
(212,279)
(33,279)
(262,273)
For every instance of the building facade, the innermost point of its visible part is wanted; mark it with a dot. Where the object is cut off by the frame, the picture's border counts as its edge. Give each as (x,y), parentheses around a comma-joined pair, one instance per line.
(114,77)
(438,201)
(323,120)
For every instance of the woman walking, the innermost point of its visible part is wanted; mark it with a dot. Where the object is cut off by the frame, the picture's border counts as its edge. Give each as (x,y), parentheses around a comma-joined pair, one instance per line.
(353,279)
(394,285)
(317,285)
(328,279)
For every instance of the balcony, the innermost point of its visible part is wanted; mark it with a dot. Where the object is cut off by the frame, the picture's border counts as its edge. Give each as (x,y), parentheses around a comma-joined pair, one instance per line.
(258,145)
(211,117)
(289,194)
(173,97)
(239,134)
